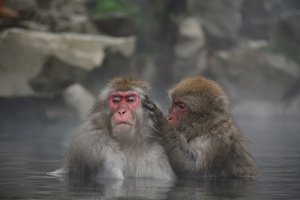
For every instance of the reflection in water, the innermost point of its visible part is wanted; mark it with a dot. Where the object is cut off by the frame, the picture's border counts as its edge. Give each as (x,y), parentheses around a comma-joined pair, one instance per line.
(26,157)
(160,189)
(212,189)
(125,189)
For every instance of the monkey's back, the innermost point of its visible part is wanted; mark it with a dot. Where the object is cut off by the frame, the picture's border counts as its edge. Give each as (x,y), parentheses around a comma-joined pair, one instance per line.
(225,152)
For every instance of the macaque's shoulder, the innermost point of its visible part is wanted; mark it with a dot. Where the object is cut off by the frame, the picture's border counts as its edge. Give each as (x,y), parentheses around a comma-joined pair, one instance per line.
(86,133)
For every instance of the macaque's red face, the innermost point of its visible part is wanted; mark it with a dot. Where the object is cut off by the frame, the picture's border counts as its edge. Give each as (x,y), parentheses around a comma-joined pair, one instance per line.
(123,106)
(176,113)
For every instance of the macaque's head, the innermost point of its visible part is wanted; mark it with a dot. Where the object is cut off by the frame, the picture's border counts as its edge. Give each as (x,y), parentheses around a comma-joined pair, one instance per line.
(123,99)
(196,98)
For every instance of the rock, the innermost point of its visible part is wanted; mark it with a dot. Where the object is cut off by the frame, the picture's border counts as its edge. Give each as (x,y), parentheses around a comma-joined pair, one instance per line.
(21,5)
(191,37)
(65,16)
(190,49)
(80,99)
(221,21)
(255,76)
(55,76)
(114,64)
(116,25)
(286,35)
(24,53)
(31,25)
(79,24)
(7,13)
(258,18)
(54,15)
(25,6)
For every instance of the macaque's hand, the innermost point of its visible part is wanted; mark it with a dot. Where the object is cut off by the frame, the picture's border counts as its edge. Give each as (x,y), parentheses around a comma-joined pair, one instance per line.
(149,104)
(160,122)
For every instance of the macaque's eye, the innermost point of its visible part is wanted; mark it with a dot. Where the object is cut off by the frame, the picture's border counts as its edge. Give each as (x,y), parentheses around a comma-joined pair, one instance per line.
(131,99)
(116,99)
(181,105)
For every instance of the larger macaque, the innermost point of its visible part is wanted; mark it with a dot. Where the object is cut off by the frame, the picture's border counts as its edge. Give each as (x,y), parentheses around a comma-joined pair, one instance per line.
(199,134)
(117,140)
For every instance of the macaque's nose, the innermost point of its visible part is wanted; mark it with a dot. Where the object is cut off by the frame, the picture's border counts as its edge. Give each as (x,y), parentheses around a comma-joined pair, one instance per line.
(123,115)
(169,117)
(122,111)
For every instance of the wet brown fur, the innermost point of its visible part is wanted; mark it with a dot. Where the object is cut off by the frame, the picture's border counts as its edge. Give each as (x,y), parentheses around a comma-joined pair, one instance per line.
(207,142)
(124,84)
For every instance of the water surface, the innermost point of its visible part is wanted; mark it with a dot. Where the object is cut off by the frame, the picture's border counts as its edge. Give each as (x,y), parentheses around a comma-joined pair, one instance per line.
(29,150)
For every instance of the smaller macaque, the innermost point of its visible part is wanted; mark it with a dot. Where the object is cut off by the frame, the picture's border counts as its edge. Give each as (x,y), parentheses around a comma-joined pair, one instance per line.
(199,134)
(118,139)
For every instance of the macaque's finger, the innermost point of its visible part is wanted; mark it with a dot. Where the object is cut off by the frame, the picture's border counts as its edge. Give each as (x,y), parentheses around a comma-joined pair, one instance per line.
(149,104)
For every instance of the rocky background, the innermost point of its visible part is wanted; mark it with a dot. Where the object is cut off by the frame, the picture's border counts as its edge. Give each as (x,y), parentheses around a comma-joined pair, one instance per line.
(56,55)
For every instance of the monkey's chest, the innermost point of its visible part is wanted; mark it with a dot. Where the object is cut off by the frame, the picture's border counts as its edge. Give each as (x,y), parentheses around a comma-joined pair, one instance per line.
(137,164)
(143,164)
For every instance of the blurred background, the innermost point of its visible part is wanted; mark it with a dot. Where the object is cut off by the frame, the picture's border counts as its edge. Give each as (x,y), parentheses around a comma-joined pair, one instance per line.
(55,56)
(63,51)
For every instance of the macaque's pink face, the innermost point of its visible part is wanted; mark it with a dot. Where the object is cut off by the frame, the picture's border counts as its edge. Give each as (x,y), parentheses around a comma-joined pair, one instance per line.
(123,107)
(176,113)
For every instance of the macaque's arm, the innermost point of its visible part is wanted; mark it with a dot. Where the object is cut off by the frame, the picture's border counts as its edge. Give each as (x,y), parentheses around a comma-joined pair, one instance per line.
(94,152)
(181,156)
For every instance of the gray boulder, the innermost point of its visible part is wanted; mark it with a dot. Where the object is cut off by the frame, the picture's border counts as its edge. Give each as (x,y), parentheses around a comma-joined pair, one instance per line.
(56,75)
(286,35)
(24,59)
(257,81)
(190,52)
(221,20)
(116,25)
(258,18)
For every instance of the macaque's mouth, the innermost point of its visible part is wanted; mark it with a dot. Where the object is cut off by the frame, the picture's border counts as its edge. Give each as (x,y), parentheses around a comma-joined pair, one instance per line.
(171,119)
(122,127)
(172,122)
(123,124)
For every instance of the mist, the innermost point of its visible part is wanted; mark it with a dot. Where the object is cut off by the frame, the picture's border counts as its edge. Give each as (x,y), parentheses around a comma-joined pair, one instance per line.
(56,56)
